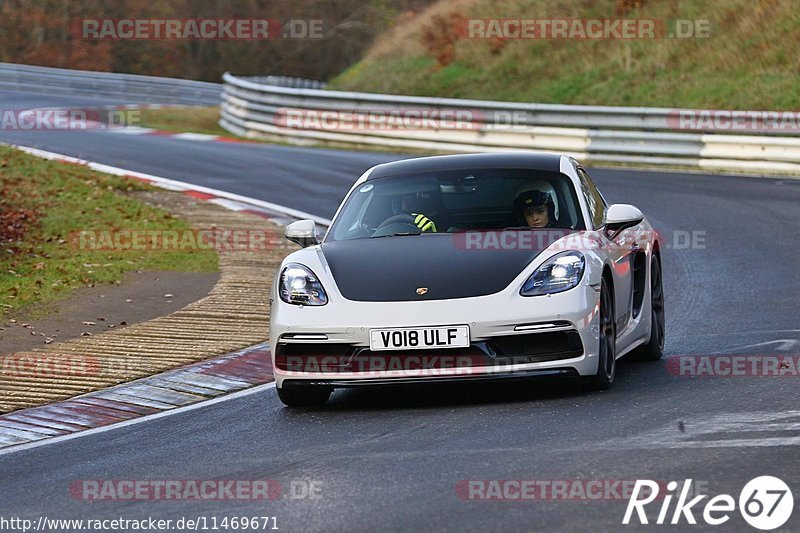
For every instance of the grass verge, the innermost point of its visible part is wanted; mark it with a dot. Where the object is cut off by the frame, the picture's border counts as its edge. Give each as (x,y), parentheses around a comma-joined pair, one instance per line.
(184,120)
(44,204)
(204,120)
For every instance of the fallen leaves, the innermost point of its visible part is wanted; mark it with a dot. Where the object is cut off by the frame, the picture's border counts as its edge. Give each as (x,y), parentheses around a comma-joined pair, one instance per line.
(15,222)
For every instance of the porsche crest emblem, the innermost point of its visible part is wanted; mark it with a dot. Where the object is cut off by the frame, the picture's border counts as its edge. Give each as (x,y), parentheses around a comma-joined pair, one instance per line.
(422,290)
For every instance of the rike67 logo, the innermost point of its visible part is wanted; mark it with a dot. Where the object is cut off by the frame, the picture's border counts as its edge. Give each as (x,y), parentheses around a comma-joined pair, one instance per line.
(765,503)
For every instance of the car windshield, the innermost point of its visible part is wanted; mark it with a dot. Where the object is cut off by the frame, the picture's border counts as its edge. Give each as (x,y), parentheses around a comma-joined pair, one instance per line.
(458,200)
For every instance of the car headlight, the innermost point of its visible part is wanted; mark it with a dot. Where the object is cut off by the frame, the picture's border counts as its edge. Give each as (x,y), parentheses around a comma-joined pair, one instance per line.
(559,273)
(299,286)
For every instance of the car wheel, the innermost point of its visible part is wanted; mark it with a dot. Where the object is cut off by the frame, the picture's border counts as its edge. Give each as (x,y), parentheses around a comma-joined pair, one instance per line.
(607,352)
(304,396)
(654,349)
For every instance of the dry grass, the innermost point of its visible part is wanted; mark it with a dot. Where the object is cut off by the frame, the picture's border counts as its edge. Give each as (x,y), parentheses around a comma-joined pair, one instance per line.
(405,34)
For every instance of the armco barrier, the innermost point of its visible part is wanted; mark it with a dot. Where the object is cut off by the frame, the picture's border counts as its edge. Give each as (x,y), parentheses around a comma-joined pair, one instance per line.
(637,135)
(129,88)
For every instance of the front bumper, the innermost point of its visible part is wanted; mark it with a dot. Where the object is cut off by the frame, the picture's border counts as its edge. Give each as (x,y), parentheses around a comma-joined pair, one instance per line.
(374,381)
(330,344)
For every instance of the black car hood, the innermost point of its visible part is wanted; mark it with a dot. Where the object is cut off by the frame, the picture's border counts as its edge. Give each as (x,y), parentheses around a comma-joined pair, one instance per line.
(391,269)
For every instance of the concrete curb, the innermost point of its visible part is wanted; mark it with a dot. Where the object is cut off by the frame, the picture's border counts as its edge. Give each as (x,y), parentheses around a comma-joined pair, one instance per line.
(155,394)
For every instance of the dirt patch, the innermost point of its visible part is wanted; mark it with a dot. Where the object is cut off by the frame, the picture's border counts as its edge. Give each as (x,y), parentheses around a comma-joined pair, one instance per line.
(141,296)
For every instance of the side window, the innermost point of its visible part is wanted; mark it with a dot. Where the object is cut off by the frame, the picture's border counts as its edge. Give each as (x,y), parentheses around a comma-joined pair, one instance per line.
(597,205)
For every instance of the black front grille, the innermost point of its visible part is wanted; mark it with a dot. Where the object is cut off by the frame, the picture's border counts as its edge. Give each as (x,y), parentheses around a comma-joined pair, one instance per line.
(538,347)
(511,349)
(320,349)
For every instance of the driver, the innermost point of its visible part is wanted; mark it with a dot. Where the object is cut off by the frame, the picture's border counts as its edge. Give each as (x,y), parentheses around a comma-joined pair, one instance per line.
(418,206)
(535,209)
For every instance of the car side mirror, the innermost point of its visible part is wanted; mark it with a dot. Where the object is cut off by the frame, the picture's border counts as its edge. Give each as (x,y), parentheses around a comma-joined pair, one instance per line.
(621,217)
(302,232)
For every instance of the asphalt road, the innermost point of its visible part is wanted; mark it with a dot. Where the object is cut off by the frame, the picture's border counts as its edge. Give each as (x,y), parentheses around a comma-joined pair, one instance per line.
(392,459)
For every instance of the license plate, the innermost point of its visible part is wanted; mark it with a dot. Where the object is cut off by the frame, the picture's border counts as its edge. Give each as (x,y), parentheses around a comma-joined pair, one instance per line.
(419,338)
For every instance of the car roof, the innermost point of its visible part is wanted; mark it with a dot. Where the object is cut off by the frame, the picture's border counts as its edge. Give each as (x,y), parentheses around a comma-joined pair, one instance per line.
(531,160)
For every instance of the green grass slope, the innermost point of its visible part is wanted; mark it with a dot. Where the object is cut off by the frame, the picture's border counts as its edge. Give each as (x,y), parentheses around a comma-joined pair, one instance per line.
(751,60)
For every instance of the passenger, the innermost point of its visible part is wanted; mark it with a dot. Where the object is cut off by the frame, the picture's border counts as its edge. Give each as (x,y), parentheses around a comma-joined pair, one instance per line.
(535,209)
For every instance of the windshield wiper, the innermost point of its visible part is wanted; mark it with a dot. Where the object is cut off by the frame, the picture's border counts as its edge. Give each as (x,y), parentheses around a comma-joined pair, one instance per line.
(399,234)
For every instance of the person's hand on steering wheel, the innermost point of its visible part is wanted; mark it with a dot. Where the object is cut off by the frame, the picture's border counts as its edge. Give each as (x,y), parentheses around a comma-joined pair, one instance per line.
(416,219)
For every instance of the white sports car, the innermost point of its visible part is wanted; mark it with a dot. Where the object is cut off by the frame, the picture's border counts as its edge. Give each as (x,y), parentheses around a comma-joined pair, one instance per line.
(466,267)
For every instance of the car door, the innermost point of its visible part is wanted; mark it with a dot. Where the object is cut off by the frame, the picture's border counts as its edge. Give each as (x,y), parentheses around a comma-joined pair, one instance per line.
(619,251)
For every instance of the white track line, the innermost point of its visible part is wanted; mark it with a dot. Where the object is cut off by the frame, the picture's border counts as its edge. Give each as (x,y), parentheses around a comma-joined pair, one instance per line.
(195,136)
(170,184)
(132,130)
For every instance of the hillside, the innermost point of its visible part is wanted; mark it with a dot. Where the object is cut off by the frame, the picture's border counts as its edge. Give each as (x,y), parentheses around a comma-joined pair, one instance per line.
(750,59)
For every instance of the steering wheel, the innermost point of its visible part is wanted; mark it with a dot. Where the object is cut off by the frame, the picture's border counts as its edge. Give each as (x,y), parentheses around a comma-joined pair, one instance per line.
(402,218)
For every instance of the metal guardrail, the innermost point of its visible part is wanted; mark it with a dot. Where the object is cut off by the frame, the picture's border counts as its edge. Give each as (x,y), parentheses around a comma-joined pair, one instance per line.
(288,81)
(258,107)
(130,88)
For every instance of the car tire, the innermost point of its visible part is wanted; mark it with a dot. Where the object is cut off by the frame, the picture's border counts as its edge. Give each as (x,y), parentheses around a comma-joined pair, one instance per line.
(607,345)
(304,396)
(653,350)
